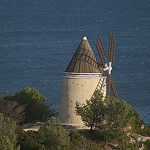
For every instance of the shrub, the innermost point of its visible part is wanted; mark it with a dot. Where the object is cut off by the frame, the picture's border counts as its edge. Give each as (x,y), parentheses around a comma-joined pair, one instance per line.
(36,108)
(75,139)
(57,138)
(124,144)
(7,134)
(31,140)
(12,110)
(147,145)
(84,144)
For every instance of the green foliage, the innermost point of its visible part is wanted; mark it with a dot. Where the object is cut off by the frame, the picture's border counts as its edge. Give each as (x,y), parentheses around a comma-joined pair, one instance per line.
(57,138)
(118,114)
(84,144)
(7,97)
(136,120)
(36,107)
(124,144)
(95,135)
(12,110)
(82,140)
(7,133)
(108,113)
(109,116)
(147,145)
(53,137)
(93,111)
(137,115)
(137,123)
(5,144)
(75,139)
(144,132)
(31,140)
(113,136)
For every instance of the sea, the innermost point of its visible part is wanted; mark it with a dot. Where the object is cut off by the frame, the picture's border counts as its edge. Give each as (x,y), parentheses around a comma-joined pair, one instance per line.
(39,37)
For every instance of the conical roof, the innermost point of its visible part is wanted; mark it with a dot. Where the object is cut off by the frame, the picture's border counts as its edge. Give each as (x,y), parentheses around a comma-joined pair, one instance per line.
(84,60)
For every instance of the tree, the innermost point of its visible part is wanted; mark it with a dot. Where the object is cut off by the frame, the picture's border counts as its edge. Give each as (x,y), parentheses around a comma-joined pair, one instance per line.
(75,139)
(7,134)
(5,144)
(118,114)
(147,145)
(92,113)
(124,144)
(137,124)
(31,140)
(57,138)
(36,107)
(12,110)
(107,113)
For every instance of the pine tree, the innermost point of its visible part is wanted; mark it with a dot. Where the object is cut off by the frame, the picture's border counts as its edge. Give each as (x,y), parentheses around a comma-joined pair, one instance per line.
(7,134)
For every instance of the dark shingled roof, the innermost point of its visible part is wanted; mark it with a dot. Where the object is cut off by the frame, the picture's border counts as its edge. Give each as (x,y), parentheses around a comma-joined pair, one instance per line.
(84,60)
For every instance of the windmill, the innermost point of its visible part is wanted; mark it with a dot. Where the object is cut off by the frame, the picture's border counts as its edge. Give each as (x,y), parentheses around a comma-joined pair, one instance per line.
(83,75)
(108,68)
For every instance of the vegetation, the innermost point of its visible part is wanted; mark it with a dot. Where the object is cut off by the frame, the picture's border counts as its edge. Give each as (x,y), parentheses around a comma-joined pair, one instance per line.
(105,113)
(56,137)
(92,113)
(36,108)
(7,134)
(147,145)
(12,110)
(31,140)
(137,124)
(108,119)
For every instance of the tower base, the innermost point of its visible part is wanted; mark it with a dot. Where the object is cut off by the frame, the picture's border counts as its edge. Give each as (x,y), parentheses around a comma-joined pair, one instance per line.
(78,87)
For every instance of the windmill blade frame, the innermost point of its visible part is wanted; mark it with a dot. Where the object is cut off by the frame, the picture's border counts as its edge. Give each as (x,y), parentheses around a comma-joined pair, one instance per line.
(113,87)
(101,51)
(108,84)
(103,57)
(111,48)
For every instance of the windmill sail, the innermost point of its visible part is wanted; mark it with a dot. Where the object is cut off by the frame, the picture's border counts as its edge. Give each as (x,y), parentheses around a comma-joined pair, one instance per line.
(101,51)
(107,68)
(108,84)
(113,87)
(111,48)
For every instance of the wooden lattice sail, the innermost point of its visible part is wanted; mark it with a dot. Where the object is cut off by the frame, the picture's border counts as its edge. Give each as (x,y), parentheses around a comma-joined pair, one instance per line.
(106,67)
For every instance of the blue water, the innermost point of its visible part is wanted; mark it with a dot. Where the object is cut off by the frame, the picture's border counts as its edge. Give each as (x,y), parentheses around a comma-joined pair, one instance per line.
(39,37)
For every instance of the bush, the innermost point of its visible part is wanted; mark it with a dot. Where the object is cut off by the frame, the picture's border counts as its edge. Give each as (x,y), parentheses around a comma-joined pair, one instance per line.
(75,139)
(137,123)
(31,140)
(147,145)
(124,144)
(7,134)
(84,144)
(95,135)
(113,136)
(57,138)
(112,111)
(36,108)
(12,110)
(81,140)
(144,132)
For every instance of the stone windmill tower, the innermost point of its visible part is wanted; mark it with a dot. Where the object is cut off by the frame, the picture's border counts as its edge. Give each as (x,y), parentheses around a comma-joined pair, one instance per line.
(82,77)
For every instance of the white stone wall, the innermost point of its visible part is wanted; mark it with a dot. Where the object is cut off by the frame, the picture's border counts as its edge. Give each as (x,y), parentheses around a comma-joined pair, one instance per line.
(77,87)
